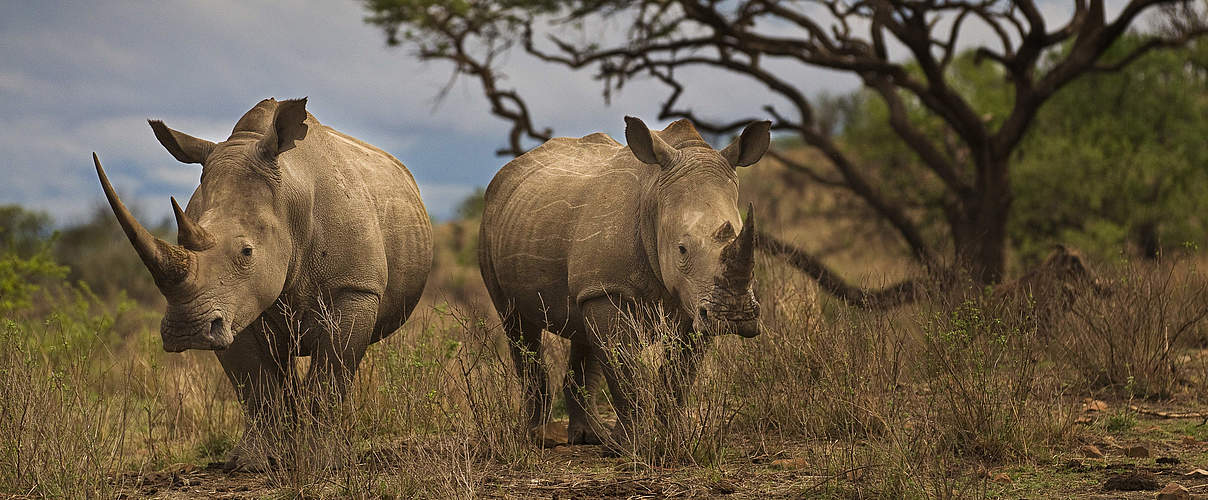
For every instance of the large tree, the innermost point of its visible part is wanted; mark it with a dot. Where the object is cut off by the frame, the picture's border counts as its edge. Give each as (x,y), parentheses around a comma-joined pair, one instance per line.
(900,50)
(1114,160)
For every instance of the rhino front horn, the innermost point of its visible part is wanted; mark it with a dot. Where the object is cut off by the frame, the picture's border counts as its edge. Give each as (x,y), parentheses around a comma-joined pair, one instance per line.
(168,263)
(738,257)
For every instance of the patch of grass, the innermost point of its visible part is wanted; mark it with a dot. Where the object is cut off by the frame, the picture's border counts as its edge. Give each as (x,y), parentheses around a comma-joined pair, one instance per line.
(1120,421)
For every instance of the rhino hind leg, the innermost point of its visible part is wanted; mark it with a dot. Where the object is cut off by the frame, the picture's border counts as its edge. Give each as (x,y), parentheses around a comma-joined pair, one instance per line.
(524,340)
(582,383)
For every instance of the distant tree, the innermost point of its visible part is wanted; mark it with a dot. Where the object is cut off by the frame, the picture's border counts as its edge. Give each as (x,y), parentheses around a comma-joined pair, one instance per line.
(758,39)
(1118,158)
(24,232)
(1124,154)
(25,259)
(471,206)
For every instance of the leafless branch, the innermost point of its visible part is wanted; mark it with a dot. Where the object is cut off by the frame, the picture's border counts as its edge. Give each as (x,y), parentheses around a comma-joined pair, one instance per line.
(853,36)
(830,282)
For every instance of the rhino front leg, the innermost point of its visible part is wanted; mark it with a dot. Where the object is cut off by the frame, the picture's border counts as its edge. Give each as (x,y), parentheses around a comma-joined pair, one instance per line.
(263,376)
(681,362)
(340,338)
(613,346)
(582,382)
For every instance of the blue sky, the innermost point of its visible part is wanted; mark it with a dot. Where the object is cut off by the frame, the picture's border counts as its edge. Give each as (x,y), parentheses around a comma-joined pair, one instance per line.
(85,76)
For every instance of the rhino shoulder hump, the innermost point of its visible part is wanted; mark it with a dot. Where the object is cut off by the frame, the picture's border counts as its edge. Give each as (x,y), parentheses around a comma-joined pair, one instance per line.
(600,138)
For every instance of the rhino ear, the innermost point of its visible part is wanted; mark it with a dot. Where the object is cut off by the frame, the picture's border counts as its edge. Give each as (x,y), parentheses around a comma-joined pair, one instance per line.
(750,146)
(646,146)
(184,147)
(286,128)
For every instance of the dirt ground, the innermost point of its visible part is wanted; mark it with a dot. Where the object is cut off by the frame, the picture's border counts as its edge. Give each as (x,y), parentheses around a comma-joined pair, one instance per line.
(1121,463)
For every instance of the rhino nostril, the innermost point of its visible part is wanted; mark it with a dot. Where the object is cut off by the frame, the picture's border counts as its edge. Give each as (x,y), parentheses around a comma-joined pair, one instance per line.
(704,313)
(216,328)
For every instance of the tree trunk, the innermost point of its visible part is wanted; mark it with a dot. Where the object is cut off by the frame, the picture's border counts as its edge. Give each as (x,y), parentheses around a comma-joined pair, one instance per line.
(1146,235)
(979,228)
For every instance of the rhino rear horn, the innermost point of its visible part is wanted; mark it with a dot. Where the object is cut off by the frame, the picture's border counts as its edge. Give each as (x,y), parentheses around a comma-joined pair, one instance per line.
(738,257)
(188,233)
(168,263)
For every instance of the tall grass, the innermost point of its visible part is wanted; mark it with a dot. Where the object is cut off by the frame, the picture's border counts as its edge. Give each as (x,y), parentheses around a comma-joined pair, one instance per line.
(1132,340)
(908,403)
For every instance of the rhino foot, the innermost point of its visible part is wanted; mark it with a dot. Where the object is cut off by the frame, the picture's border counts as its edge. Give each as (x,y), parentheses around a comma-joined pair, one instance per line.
(251,462)
(254,453)
(582,433)
(548,436)
(620,441)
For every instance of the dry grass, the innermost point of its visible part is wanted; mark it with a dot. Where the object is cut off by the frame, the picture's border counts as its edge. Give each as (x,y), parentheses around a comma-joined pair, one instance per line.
(913,403)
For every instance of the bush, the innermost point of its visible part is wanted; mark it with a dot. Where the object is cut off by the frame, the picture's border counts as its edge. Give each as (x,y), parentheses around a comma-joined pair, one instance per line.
(1130,341)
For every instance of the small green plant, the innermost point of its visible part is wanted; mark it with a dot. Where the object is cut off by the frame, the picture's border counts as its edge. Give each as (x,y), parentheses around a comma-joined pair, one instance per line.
(1120,421)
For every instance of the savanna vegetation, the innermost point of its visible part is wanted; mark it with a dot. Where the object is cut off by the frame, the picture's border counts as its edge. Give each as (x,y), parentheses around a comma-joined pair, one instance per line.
(1050,385)
(966,392)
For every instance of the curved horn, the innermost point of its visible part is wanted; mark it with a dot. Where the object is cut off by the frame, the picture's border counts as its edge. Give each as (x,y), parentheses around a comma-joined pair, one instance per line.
(168,263)
(188,233)
(738,257)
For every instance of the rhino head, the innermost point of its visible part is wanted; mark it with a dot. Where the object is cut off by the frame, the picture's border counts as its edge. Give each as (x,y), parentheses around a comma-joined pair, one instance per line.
(705,251)
(1068,267)
(234,248)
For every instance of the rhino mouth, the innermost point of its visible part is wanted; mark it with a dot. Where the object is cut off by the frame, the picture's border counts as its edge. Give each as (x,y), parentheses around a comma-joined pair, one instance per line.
(210,334)
(747,327)
(718,318)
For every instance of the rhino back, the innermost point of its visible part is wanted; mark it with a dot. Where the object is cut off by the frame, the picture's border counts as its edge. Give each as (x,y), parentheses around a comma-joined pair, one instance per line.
(560,222)
(367,226)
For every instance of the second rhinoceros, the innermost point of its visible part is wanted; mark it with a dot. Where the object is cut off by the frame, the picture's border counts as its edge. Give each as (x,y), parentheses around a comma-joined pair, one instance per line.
(300,241)
(578,234)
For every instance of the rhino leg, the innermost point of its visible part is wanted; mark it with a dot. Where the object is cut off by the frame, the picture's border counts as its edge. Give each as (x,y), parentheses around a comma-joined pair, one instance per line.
(261,375)
(524,339)
(582,382)
(607,331)
(681,361)
(345,331)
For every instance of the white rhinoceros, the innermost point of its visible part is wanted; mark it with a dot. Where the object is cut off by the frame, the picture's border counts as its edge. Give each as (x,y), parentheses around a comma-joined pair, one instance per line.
(291,215)
(578,232)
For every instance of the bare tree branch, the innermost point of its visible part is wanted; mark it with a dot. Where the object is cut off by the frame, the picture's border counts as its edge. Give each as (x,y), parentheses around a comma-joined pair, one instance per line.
(799,167)
(852,36)
(831,283)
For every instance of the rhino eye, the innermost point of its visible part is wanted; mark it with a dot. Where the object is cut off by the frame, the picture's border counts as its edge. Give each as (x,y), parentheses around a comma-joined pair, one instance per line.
(247,251)
(682,250)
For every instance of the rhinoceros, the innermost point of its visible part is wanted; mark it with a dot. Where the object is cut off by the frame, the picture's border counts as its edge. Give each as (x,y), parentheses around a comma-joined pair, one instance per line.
(581,235)
(1051,289)
(300,241)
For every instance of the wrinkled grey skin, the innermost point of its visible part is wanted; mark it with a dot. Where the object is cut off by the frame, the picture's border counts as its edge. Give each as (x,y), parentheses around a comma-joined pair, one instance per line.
(579,232)
(291,215)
